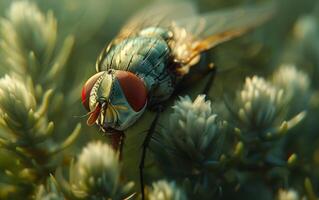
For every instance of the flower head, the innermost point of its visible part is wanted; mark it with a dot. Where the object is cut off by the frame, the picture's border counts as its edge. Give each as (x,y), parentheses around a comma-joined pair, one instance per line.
(18,108)
(96,174)
(287,195)
(49,191)
(21,113)
(295,83)
(259,104)
(163,190)
(15,98)
(28,41)
(191,139)
(260,108)
(27,30)
(194,121)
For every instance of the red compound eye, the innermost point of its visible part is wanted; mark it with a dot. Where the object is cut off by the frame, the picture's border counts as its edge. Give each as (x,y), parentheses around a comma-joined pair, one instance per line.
(86,90)
(133,88)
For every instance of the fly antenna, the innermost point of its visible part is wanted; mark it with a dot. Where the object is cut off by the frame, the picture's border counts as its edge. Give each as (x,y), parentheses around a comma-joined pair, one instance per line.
(82,116)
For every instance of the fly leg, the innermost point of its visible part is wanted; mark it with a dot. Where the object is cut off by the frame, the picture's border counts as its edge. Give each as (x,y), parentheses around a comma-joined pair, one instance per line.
(145,144)
(117,141)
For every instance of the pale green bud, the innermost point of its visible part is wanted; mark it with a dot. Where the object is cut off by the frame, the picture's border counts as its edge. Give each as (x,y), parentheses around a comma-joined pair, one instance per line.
(287,195)
(260,108)
(28,43)
(190,142)
(163,190)
(49,191)
(96,174)
(259,104)
(296,85)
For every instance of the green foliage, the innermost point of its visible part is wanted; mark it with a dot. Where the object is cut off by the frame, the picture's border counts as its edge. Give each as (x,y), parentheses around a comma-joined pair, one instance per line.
(29,43)
(28,40)
(250,139)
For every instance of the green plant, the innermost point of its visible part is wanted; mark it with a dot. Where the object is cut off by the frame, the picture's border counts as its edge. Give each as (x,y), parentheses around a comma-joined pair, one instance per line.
(255,134)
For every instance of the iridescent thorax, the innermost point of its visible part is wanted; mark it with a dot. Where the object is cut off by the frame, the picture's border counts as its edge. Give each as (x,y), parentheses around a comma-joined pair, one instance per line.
(147,55)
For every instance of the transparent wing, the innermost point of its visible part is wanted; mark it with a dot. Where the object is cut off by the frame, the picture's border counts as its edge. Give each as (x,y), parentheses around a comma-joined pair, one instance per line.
(209,28)
(158,14)
(193,33)
(219,26)
(196,34)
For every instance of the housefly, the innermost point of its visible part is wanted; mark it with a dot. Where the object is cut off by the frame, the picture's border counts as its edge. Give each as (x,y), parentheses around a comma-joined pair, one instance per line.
(152,54)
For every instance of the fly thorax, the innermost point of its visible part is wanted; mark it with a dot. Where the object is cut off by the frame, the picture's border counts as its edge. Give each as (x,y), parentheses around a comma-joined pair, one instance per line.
(148,56)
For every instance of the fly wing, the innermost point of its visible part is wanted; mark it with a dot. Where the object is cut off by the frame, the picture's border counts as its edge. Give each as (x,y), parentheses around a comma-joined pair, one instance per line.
(216,27)
(205,31)
(193,33)
(158,14)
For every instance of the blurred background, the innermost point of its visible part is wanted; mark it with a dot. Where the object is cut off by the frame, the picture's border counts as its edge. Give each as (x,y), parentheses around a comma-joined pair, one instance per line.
(291,37)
